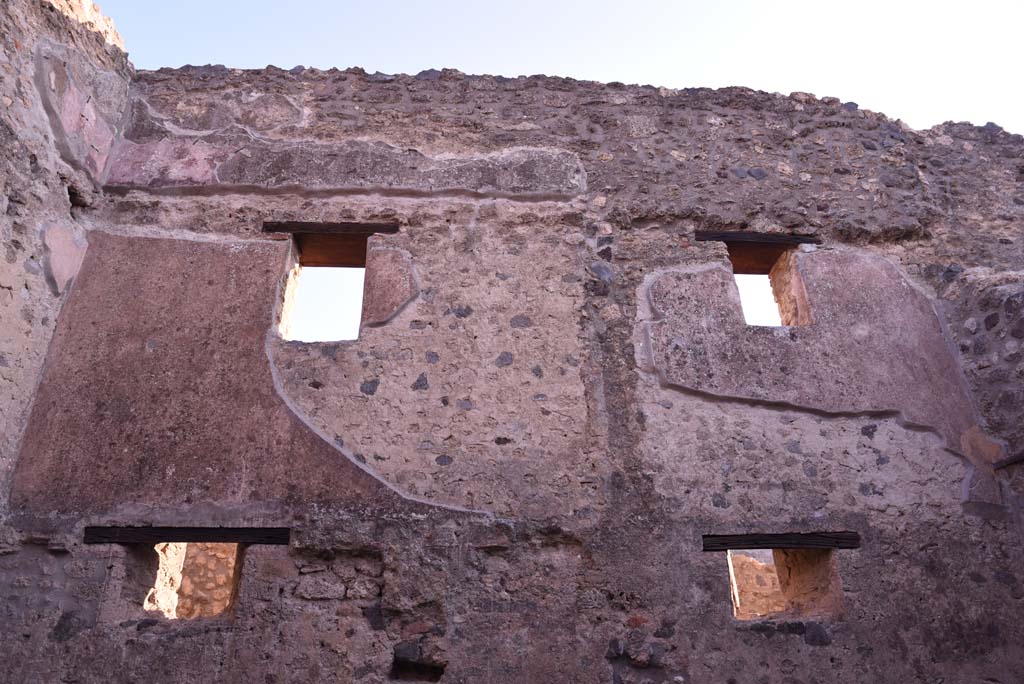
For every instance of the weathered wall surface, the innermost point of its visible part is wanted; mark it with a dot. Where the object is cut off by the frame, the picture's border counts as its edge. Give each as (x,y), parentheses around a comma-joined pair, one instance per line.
(506,477)
(62,91)
(223,438)
(651,158)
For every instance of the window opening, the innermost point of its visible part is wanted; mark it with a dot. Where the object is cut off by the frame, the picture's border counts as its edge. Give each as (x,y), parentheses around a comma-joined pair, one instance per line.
(198,568)
(783,575)
(323,298)
(194,580)
(767,583)
(323,304)
(757,299)
(764,268)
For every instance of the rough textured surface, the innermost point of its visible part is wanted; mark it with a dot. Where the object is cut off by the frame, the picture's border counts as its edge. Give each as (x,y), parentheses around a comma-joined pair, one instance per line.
(990,305)
(194,580)
(226,439)
(875,345)
(163,596)
(209,579)
(544,343)
(217,160)
(43,186)
(755,585)
(89,14)
(389,285)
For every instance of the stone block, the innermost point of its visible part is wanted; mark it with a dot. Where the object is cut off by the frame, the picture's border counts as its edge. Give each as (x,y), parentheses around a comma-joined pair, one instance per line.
(228,159)
(389,285)
(875,344)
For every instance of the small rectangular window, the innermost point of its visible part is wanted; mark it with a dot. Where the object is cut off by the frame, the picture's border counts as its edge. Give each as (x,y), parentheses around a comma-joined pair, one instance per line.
(194,580)
(323,304)
(783,575)
(197,569)
(757,299)
(768,583)
(764,268)
(323,298)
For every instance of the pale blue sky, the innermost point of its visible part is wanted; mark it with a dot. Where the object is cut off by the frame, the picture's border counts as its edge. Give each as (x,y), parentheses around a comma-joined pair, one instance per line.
(924,62)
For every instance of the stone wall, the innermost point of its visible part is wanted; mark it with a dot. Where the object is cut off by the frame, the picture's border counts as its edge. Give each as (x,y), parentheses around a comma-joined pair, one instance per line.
(507,476)
(62,92)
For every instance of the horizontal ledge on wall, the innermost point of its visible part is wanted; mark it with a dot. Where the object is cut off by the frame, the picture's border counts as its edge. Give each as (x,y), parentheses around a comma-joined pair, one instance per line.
(808,540)
(343,227)
(749,236)
(160,535)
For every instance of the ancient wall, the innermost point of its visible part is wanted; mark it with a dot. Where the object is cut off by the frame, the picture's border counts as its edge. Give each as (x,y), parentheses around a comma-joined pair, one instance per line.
(554,395)
(62,95)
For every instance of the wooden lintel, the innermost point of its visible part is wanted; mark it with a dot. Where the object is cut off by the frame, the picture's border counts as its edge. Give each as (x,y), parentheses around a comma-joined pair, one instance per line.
(753,253)
(329,228)
(342,250)
(159,535)
(790,540)
(751,236)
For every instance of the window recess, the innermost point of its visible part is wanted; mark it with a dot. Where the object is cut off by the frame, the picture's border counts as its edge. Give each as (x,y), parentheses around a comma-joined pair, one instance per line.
(323,298)
(198,569)
(783,575)
(764,268)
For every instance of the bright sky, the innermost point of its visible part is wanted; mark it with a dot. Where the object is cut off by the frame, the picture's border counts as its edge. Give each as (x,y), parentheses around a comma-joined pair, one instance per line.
(923,62)
(327,304)
(757,300)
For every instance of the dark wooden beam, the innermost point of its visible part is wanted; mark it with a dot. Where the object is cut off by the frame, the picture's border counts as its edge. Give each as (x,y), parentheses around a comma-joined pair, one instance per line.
(159,535)
(754,257)
(750,236)
(329,228)
(332,250)
(793,540)
(753,253)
